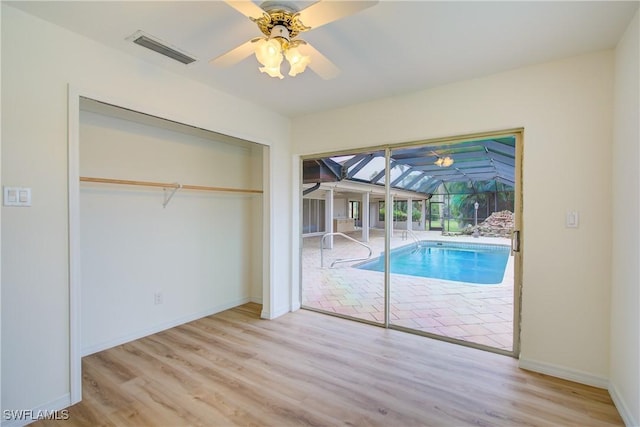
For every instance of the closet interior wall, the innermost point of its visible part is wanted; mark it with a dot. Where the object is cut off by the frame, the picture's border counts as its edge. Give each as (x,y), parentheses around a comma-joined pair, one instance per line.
(145,267)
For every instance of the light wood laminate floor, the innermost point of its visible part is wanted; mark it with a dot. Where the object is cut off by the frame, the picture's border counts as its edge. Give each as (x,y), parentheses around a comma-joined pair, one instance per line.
(306,368)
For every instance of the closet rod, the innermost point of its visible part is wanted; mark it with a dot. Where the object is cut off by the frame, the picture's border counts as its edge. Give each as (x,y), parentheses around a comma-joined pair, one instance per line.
(166,185)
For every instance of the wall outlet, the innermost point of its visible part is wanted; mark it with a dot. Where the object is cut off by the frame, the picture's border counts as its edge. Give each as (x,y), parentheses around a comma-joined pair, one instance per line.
(157,298)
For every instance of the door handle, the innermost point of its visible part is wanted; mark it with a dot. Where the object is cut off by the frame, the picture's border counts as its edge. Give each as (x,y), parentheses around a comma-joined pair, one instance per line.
(515,241)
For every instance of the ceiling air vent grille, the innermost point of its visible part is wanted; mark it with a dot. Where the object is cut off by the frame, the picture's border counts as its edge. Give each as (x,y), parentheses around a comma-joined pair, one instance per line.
(157,46)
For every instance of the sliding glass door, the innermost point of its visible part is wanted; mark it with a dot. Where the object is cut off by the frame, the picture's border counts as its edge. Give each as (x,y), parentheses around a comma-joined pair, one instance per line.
(418,238)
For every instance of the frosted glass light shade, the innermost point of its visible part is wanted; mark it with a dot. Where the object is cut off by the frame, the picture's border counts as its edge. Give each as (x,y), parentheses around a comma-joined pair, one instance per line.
(269,54)
(297,61)
(272,71)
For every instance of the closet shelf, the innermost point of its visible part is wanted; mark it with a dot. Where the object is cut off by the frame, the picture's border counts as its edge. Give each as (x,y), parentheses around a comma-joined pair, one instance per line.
(167,185)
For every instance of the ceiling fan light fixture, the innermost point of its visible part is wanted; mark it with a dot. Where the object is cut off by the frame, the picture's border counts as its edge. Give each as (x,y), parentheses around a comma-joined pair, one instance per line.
(280,26)
(282,20)
(443,162)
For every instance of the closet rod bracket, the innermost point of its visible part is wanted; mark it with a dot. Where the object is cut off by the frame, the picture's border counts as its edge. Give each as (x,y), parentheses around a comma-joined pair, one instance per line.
(169,195)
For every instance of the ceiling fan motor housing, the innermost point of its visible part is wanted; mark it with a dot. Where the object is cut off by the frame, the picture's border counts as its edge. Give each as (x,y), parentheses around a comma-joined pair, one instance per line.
(280,32)
(275,19)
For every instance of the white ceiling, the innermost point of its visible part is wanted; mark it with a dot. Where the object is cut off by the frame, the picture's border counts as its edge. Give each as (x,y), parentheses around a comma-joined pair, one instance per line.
(394,47)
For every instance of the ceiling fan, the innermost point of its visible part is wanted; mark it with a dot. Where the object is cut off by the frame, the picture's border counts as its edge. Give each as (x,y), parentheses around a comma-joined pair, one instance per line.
(281,22)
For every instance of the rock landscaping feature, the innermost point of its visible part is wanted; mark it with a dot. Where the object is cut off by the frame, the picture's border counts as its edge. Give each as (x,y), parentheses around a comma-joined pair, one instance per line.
(498,224)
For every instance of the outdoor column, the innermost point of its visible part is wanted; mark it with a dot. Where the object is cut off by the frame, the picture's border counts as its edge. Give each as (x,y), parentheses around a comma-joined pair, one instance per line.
(328,214)
(409,214)
(364,216)
(423,215)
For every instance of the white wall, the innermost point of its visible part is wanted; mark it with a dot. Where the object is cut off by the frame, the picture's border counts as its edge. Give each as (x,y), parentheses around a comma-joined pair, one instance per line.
(195,251)
(625,295)
(39,60)
(565,108)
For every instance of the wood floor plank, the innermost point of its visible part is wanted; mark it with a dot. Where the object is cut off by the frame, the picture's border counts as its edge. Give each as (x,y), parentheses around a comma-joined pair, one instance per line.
(306,368)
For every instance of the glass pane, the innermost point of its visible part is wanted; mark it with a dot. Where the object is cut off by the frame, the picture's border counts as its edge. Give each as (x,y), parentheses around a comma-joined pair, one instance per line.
(331,278)
(341,159)
(368,169)
(444,282)
(397,170)
(408,178)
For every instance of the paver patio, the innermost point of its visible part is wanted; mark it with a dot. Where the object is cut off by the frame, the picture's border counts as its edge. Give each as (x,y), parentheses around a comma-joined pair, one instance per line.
(482,314)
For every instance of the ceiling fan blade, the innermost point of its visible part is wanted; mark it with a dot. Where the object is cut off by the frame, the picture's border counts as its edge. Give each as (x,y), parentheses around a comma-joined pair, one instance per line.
(247,8)
(235,55)
(320,64)
(324,12)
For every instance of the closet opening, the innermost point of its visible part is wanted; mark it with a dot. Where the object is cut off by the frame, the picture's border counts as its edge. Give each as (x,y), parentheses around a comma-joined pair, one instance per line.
(167,225)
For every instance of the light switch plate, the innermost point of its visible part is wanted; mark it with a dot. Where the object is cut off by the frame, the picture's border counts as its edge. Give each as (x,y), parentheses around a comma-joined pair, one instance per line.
(17,196)
(572,219)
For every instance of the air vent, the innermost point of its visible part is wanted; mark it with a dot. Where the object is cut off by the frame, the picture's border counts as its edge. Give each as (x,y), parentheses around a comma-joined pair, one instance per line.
(157,46)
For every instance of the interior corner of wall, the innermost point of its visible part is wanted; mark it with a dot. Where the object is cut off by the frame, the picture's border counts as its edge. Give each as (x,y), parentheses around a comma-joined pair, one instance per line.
(628,417)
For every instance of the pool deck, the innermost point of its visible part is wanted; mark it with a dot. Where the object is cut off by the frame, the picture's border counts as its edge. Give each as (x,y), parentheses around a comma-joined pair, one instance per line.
(481,314)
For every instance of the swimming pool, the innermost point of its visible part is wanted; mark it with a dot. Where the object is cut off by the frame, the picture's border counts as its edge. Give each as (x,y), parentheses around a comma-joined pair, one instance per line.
(461,262)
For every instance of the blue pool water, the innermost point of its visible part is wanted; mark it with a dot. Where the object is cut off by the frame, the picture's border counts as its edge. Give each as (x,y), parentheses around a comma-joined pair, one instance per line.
(460,262)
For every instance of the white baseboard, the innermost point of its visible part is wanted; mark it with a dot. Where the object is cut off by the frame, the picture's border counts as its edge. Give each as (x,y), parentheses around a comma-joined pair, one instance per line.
(622,407)
(22,417)
(588,379)
(270,315)
(564,373)
(257,300)
(161,327)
